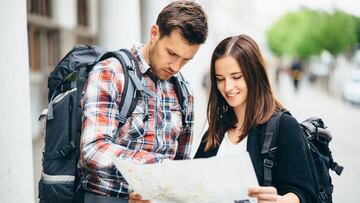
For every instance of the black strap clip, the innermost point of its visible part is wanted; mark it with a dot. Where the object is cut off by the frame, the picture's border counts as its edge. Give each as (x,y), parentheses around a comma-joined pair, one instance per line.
(268,163)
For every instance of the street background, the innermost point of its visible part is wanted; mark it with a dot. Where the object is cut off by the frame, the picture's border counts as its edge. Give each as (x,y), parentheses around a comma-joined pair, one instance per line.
(343,121)
(36,34)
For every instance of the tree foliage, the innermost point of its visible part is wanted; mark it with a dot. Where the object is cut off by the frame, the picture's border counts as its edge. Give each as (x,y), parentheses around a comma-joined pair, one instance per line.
(357,19)
(307,32)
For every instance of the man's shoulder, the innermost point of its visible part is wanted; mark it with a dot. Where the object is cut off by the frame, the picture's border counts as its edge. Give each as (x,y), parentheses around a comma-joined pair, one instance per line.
(184,83)
(110,65)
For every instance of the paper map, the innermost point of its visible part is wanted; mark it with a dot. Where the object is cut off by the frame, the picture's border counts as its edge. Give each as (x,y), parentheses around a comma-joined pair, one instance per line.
(212,180)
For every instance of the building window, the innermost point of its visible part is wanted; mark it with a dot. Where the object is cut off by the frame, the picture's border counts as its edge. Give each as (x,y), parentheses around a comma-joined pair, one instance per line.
(39,7)
(34,49)
(85,40)
(82,12)
(44,50)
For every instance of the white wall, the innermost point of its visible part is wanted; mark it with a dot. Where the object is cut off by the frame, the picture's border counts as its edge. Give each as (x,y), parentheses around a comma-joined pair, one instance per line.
(65,13)
(119,23)
(149,12)
(16,171)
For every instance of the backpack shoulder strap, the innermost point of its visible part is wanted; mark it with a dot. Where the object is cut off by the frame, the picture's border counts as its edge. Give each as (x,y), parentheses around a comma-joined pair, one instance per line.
(131,68)
(269,147)
(132,72)
(129,88)
(182,94)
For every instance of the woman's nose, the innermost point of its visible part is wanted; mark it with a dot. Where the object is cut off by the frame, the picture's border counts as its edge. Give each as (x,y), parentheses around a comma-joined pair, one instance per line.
(228,85)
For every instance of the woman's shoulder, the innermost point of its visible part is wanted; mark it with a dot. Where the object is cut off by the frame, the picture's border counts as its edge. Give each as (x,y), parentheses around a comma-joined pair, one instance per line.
(288,120)
(201,152)
(289,128)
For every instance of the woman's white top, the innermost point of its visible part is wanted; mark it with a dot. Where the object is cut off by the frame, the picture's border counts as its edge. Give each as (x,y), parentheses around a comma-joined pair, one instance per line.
(228,148)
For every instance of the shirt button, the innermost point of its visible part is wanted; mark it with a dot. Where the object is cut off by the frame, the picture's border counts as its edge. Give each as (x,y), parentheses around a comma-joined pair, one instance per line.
(160,133)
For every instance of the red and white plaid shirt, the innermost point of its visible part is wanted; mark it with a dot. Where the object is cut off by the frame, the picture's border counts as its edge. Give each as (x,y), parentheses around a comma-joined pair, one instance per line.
(161,136)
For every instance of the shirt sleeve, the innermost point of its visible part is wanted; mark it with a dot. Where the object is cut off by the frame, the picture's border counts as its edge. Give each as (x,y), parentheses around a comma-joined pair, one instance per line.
(101,97)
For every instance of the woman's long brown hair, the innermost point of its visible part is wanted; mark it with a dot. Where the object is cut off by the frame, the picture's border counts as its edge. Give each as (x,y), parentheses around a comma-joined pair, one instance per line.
(260,102)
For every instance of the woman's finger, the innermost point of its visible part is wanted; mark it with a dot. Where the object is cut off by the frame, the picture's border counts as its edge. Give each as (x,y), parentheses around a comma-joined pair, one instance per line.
(267,197)
(261,189)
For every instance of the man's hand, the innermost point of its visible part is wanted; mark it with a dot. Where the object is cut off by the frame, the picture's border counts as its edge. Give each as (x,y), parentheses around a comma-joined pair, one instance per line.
(136,198)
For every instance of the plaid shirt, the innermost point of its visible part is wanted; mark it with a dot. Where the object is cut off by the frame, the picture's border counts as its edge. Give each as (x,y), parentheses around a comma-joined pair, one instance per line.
(161,136)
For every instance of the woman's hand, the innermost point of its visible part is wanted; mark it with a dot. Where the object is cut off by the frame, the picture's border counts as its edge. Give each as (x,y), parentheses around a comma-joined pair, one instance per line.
(264,194)
(136,198)
(269,194)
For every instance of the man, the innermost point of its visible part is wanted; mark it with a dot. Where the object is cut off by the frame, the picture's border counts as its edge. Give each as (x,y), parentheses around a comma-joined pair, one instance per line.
(154,131)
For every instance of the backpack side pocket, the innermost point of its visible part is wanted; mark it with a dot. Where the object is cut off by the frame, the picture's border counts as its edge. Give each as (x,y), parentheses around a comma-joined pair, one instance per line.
(57,182)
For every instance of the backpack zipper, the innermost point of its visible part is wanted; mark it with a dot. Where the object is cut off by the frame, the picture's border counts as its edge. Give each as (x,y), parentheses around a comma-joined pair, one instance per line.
(70,117)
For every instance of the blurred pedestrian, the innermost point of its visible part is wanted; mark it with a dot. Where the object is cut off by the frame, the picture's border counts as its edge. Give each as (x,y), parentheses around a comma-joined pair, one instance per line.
(279,67)
(296,73)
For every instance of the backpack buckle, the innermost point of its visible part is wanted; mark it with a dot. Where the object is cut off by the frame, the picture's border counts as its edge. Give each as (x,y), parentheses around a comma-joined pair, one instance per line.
(337,168)
(67,149)
(272,151)
(323,195)
(61,151)
(268,163)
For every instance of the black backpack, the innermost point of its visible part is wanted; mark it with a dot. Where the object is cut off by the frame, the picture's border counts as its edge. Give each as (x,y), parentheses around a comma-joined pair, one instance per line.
(59,178)
(318,138)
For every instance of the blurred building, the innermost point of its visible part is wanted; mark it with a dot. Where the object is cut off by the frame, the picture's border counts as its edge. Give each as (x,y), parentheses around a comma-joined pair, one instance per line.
(55,26)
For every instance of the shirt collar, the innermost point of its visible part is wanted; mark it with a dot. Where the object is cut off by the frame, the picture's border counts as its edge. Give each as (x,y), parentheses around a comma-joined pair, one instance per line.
(144,66)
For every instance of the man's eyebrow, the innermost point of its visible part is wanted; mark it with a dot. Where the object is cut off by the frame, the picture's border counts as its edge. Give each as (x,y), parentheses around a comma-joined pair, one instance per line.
(173,52)
(188,58)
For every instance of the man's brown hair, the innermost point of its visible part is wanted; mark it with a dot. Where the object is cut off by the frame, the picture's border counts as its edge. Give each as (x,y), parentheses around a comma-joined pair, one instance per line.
(187,17)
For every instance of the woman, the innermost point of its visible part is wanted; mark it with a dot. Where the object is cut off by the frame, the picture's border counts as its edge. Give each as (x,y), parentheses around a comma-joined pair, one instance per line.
(241,102)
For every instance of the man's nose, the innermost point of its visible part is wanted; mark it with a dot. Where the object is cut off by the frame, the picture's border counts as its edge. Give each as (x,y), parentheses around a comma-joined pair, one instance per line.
(175,65)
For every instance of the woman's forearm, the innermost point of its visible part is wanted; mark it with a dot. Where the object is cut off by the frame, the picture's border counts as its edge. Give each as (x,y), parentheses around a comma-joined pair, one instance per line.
(288,198)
